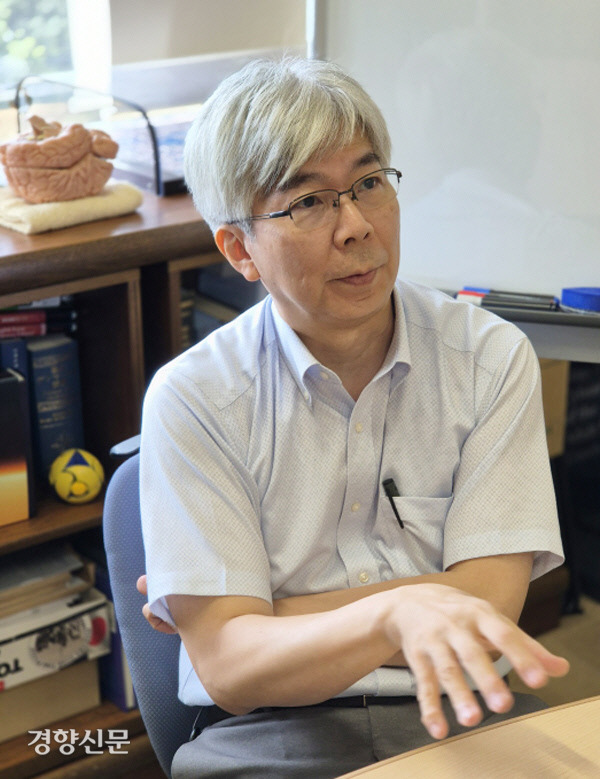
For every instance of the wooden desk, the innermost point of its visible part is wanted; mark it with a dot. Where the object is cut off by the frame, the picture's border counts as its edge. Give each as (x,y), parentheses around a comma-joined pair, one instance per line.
(563,741)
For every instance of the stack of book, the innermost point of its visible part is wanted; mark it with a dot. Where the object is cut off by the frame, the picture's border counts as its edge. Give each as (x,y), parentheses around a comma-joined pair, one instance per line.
(209,314)
(200,315)
(55,574)
(223,283)
(53,625)
(39,349)
(186,308)
(221,294)
(40,320)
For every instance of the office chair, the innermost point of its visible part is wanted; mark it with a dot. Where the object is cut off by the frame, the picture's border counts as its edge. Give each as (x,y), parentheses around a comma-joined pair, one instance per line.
(153,657)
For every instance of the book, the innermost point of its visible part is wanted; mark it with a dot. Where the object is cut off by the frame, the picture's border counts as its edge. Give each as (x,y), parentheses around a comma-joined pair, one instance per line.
(210,314)
(186,308)
(116,684)
(29,329)
(52,302)
(24,323)
(13,354)
(33,646)
(27,583)
(56,404)
(16,467)
(15,316)
(223,283)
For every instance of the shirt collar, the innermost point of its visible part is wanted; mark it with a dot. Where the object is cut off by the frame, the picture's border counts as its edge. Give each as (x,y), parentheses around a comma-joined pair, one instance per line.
(300,360)
(398,357)
(297,357)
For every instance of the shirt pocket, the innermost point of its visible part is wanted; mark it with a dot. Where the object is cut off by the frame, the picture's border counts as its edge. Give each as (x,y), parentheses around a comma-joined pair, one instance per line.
(419,545)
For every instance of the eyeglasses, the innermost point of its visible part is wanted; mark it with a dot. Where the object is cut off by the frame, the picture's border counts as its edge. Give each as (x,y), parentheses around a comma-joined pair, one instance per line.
(316,209)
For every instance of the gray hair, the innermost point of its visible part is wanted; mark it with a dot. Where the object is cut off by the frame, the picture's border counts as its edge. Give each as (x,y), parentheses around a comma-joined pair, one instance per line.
(263,123)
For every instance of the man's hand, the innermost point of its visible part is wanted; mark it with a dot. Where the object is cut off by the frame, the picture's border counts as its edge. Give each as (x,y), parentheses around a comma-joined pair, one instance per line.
(155,622)
(445,633)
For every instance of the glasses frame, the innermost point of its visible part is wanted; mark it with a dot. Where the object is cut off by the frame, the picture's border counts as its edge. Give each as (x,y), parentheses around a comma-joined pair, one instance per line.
(336,203)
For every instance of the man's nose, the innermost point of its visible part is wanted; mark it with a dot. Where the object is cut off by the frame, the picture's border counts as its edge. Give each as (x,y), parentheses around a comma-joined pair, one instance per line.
(351,222)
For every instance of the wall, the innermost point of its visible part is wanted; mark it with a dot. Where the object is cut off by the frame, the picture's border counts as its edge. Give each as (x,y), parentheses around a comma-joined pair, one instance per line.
(162,29)
(494,112)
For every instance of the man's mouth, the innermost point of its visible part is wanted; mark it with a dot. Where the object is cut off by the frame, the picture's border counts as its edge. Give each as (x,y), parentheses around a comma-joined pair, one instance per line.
(360,279)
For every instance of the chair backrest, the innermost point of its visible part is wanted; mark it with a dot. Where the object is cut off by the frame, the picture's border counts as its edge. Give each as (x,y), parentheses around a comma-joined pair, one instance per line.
(153,657)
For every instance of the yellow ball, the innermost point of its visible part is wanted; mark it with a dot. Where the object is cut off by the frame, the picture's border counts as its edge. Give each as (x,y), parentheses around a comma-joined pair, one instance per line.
(77,476)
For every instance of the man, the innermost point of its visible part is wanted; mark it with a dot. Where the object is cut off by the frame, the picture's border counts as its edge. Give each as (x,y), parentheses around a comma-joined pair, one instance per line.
(346,491)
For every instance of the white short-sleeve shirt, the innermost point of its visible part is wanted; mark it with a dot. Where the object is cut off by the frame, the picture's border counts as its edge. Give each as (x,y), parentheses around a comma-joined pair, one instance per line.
(261,476)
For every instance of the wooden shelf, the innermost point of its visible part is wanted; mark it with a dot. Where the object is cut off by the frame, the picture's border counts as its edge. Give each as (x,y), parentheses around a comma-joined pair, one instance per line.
(53,519)
(124,274)
(161,291)
(162,229)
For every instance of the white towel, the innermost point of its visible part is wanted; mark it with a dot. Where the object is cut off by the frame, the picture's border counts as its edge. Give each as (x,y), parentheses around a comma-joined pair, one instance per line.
(116,199)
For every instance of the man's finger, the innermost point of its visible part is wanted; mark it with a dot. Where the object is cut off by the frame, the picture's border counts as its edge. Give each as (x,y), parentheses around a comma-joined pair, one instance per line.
(142,584)
(477,663)
(532,662)
(428,695)
(451,677)
(156,622)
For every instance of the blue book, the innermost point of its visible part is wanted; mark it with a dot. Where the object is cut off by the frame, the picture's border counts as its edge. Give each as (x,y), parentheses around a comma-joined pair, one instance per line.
(115,678)
(55,393)
(13,354)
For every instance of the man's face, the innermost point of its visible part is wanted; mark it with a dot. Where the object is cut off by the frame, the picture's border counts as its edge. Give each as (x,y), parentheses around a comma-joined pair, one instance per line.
(338,276)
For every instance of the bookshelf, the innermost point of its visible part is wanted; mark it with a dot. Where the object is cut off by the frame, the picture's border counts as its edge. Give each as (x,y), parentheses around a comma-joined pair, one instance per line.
(162,284)
(125,277)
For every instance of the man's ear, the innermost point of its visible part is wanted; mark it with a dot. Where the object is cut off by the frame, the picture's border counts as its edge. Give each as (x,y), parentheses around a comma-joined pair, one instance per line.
(235,245)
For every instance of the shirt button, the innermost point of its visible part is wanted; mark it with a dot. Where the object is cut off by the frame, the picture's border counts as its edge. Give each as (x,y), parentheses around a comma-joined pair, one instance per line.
(363,577)
(355,506)
(358,427)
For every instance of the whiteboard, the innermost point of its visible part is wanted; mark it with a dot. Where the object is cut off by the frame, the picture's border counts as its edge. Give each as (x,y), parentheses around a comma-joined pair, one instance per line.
(494,111)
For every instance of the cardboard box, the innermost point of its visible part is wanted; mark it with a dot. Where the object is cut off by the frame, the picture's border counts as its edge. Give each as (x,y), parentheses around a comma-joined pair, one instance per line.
(44,640)
(52,698)
(555,396)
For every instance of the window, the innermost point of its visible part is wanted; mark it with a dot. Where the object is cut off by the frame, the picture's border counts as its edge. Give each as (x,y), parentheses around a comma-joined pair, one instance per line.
(34,38)
(66,40)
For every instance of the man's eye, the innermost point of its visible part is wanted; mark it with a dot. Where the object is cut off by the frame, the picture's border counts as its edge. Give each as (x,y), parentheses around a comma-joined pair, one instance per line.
(310,201)
(370,183)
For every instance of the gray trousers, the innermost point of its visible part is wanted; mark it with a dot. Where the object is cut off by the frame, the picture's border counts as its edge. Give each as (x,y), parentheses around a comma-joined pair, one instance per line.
(315,742)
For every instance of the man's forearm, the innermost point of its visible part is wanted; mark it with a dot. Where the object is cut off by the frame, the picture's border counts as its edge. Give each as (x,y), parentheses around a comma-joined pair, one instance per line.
(502,579)
(246,657)
(334,599)
(290,661)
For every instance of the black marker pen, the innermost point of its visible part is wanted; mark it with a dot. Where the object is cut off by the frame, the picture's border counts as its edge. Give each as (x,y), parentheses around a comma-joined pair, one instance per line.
(389,485)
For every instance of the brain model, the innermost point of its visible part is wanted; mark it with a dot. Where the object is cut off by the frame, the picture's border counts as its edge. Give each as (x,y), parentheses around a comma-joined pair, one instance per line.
(57,163)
